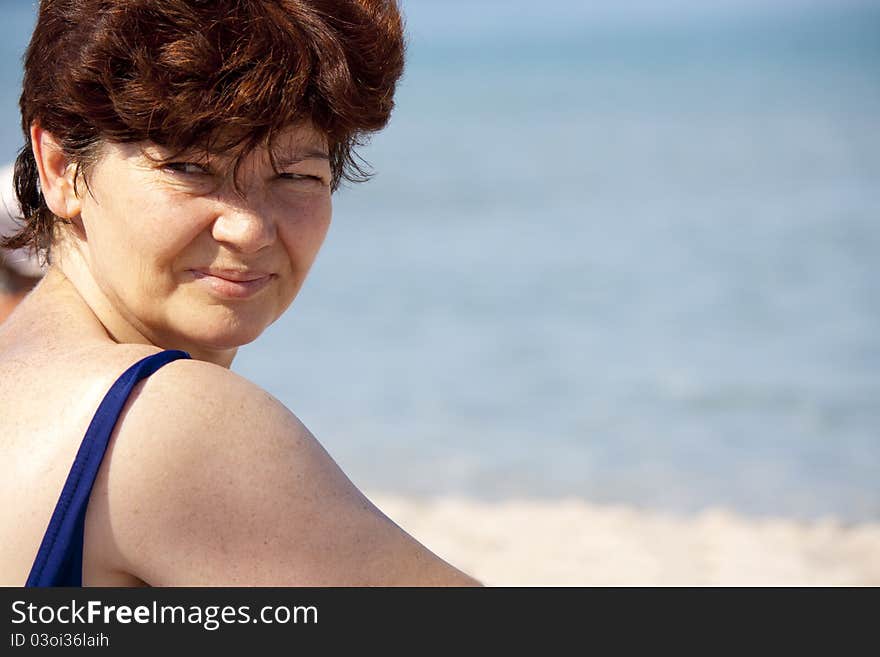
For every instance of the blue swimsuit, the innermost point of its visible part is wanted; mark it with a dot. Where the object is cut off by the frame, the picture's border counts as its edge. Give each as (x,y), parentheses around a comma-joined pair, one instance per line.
(59,560)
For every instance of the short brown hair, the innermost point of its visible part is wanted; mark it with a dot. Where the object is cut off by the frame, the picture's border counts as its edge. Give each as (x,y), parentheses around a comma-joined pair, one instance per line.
(223,75)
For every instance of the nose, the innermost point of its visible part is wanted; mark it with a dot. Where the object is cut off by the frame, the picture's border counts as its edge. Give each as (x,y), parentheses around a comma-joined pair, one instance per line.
(244,227)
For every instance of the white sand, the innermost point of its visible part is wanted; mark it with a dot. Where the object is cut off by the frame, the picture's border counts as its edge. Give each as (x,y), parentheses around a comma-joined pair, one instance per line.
(573,543)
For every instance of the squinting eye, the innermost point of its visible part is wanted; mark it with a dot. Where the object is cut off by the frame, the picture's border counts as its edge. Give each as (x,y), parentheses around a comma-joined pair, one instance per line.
(186,167)
(301,177)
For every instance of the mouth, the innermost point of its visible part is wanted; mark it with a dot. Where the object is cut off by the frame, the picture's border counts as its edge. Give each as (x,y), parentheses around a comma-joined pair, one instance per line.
(232,283)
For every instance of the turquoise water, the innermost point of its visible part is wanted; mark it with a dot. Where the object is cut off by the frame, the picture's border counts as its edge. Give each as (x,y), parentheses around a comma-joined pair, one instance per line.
(623,254)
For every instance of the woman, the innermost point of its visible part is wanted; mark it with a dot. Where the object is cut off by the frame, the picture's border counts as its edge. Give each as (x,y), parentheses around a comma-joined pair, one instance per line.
(178,170)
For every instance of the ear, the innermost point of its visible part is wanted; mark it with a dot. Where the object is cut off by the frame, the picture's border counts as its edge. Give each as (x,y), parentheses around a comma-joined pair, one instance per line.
(57,174)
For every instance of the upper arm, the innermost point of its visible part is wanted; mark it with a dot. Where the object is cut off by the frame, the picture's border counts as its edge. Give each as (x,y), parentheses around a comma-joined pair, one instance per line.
(214,482)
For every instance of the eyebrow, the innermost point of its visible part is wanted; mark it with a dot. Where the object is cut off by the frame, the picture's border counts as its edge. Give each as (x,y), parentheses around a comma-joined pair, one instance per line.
(302,155)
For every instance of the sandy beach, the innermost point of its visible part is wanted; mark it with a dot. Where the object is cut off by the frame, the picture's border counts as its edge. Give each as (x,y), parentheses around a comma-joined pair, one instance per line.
(574,543)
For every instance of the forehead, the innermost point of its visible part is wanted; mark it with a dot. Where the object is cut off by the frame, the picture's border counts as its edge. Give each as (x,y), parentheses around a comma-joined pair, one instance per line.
(294,142)
(302,137)
(291,143)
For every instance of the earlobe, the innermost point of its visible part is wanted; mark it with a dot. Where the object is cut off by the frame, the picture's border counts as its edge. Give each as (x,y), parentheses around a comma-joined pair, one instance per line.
(57,174)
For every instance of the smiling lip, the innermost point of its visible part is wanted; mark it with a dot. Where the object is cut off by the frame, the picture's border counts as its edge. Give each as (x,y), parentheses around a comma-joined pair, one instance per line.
(233,284)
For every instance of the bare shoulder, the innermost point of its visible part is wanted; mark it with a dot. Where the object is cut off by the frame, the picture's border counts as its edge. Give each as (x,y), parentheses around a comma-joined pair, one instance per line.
(212,481)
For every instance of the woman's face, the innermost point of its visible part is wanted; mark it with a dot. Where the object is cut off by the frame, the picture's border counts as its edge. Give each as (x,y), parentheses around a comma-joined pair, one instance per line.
(190,259)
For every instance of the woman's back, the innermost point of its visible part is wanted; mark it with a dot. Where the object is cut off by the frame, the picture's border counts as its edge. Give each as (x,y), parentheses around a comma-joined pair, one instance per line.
(54,372)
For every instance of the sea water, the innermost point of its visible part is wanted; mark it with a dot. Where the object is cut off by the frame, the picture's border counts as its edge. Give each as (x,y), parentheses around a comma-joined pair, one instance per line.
(626,252)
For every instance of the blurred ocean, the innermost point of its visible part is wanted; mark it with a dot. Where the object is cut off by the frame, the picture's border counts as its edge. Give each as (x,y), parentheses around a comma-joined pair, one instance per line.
(620,251)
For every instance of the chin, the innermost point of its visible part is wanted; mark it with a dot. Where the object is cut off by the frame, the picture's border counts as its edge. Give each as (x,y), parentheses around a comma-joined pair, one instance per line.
(230,333)
(224,340)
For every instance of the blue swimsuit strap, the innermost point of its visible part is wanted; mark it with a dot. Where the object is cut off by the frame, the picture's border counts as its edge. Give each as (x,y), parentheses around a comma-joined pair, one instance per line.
(59,559)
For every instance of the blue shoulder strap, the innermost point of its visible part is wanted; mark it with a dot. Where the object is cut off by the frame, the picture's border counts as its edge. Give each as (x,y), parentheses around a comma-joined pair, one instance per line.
(59,559)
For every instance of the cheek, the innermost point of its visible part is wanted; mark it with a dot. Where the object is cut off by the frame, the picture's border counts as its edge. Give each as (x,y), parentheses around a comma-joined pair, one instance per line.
(161,234)
(304,230)
(171,221)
